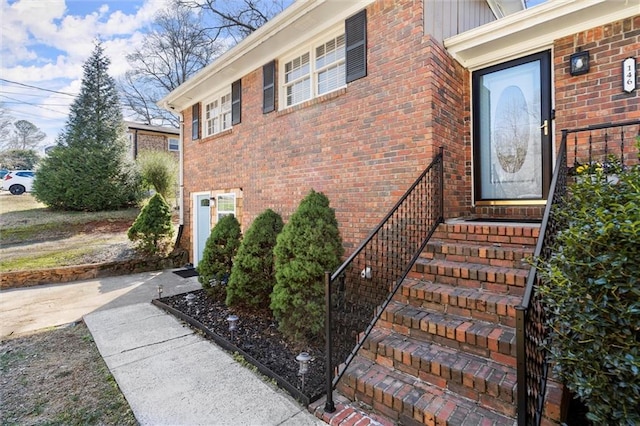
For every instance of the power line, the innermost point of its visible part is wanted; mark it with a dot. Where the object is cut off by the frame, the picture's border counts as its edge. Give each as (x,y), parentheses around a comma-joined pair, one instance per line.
(27,103)
(35,105)
(35,87)
(33,94)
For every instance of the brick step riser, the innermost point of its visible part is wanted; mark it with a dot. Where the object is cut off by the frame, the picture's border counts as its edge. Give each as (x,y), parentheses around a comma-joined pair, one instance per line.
(500,258)
(472,379)
(412,404)
(494,343)
(466,303)
(496,280)
(498,234)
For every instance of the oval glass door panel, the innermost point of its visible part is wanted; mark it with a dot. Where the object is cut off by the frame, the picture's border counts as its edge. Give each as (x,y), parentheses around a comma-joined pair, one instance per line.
(508,138)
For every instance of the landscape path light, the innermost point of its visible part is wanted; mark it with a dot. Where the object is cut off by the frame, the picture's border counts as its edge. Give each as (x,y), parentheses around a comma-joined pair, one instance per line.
(233,324)
(303,361)
(190,298)
(160,289)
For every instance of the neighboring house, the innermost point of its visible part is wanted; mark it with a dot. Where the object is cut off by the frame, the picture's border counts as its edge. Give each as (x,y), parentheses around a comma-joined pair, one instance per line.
(153,138)
(355,99)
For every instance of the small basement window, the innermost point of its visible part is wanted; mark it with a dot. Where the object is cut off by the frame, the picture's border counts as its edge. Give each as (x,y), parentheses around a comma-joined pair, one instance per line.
(225,205)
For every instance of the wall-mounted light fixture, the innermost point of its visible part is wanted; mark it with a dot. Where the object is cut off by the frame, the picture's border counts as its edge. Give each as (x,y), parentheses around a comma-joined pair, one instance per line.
(579,63)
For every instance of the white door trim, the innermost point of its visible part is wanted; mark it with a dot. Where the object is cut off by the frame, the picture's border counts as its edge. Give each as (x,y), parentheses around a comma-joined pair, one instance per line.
(195,207)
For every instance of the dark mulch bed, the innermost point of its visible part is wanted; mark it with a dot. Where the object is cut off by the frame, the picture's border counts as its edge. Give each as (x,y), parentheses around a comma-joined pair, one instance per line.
(258,336)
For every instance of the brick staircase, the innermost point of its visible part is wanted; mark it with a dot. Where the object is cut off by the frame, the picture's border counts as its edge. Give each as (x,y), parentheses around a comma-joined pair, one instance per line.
(443,352)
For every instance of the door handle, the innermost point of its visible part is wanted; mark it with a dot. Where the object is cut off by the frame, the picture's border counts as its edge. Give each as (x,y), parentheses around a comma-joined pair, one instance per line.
(545,126)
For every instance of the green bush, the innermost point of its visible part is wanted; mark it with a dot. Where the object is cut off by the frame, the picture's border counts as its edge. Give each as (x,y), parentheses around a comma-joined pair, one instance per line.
(152,230)
(592,295)
(159,169)
(217,258)
(308,245)
(253,273)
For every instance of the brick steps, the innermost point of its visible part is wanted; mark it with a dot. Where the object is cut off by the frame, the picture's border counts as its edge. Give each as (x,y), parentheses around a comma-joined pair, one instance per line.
(444,349)
(410,401)
(503,234)
(494,255)
(487,339)
(468,375)
(462,301)
(466,274)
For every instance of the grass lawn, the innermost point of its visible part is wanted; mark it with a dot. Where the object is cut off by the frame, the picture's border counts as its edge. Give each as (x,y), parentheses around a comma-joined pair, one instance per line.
(34,237)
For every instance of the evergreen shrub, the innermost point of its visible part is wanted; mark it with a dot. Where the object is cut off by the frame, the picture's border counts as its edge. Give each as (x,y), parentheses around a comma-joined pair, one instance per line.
(253,272)
(217,258)
(152,230)
(592,294)
(308,245)
(90,169)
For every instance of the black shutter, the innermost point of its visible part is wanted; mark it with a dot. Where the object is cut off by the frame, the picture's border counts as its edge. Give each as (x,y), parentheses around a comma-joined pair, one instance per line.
(355,29)
(195,122)
(269,87)
(236,104)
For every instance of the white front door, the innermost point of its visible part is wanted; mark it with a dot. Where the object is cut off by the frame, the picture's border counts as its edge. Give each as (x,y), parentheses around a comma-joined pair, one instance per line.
(202,224)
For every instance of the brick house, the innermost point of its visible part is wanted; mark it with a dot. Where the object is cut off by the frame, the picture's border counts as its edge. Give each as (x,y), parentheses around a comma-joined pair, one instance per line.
(153,138)
(355,99)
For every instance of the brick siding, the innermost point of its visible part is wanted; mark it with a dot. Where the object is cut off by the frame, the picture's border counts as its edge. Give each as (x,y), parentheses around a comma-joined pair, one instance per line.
(362,146)
(597,96)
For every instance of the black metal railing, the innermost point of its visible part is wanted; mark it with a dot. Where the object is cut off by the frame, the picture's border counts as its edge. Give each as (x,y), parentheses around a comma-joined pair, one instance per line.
(609,148)
(359,290)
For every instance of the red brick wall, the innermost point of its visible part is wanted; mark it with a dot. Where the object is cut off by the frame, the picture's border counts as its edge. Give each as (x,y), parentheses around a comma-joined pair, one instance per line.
(596,97)
(362,146)
(154,142)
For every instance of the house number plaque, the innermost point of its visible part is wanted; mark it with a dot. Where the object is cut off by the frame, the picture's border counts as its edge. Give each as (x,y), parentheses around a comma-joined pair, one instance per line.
(629,74)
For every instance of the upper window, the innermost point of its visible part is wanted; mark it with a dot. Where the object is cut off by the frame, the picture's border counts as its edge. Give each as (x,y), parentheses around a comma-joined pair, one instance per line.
(223,111)
(174,144)
(217,115)
(319,70)
(195,122)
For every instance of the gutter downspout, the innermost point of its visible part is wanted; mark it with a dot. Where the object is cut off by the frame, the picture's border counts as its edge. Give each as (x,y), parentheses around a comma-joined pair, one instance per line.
(169,108)
(180,179)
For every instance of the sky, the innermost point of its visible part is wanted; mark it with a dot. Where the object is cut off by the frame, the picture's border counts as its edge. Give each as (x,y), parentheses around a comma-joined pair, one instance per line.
(44,44)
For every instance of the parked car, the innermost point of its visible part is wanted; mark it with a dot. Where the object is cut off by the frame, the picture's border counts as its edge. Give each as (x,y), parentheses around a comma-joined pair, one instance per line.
(18,182)
(3,173)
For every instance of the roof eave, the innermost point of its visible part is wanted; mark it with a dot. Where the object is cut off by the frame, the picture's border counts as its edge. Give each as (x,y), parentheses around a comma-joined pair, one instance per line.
(260,47)
(534,29)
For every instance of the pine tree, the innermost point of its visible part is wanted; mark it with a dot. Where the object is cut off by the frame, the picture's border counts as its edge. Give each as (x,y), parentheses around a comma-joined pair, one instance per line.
(88,170)
(308,245)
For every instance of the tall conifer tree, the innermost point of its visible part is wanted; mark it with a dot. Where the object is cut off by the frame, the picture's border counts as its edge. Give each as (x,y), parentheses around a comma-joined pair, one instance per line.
(89,170)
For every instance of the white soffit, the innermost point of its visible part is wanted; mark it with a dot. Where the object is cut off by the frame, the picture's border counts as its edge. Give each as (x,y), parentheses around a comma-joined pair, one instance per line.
(534,29)
(301,21)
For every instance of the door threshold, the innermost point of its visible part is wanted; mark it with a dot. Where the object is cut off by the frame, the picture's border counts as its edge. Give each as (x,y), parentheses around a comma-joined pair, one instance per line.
(496,221)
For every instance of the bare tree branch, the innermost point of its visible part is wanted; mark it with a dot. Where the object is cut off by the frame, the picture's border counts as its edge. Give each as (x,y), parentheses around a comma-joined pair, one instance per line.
(236,19)
(175,49)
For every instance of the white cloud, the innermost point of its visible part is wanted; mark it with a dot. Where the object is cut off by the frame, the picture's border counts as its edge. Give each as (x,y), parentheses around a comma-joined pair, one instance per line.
(44,45)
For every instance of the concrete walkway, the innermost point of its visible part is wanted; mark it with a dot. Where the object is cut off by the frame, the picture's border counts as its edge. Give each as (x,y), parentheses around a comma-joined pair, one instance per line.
(168,374)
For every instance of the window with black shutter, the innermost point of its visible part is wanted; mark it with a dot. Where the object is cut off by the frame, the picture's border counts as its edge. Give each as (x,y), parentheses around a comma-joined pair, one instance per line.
(356,46)
(268,87)
(236,104)
(195,122)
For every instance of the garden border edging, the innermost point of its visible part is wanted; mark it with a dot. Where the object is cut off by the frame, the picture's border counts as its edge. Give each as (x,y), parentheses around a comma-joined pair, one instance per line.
(65,274)
(230,347)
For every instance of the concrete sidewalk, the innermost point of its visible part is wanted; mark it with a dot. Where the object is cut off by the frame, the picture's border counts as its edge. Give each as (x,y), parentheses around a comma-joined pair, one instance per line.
(171,376)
